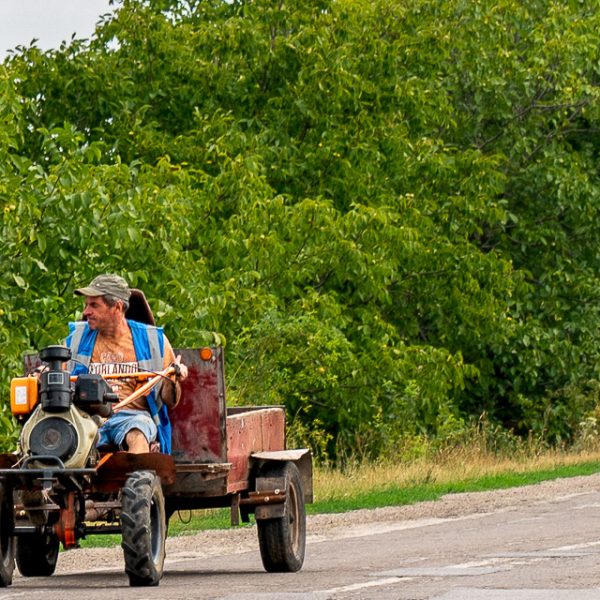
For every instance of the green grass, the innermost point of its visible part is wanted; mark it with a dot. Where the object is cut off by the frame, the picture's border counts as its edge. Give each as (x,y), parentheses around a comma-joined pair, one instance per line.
(181,523)
(380,495)
(396,495)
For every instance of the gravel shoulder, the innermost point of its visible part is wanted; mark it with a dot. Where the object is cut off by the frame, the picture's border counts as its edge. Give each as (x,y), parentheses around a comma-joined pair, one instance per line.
(337,526)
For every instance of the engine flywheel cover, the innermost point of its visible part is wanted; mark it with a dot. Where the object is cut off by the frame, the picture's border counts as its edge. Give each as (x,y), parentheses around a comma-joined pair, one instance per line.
(54,437)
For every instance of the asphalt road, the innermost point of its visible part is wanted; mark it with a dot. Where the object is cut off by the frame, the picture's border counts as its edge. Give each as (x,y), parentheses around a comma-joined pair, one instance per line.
(538,549)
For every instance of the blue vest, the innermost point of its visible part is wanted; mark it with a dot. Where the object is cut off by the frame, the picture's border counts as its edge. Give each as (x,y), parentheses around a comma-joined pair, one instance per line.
(149,346)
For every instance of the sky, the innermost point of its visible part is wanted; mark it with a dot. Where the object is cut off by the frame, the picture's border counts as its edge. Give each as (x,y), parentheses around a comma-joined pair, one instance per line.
(50,21)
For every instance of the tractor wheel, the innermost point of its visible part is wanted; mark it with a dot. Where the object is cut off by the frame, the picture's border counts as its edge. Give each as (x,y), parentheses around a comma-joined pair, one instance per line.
(37,554)
(143,528)
(282,540)
(7,540)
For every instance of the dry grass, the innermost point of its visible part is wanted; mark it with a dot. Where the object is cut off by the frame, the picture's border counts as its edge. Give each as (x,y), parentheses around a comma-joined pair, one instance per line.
(447,467)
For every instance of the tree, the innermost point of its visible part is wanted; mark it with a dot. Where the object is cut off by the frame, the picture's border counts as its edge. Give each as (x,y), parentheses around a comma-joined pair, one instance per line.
(388,208)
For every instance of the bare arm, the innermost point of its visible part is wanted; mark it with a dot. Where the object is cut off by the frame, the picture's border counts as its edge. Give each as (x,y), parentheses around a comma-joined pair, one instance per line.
(170,391)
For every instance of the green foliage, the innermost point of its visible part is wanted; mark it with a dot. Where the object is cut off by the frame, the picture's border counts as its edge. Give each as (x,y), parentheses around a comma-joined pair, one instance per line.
(389,209)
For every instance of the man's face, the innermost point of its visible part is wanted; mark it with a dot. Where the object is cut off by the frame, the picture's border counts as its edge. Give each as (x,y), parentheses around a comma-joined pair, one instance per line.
(99,315)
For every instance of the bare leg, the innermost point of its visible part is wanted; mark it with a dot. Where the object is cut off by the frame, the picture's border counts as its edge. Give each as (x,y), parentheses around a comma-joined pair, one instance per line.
(136,442)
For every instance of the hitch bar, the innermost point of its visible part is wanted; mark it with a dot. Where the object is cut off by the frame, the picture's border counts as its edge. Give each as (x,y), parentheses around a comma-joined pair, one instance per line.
(275,496)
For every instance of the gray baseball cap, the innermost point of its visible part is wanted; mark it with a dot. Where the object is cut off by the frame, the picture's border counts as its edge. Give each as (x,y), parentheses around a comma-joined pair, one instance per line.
(107,285)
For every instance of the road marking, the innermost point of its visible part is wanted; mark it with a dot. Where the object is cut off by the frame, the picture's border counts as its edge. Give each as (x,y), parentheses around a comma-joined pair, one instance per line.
(579,546)
(366,584)
(573,550)
(407,574)
(378,528)
(317,594)
(584,506)
(445,571)
(522,594)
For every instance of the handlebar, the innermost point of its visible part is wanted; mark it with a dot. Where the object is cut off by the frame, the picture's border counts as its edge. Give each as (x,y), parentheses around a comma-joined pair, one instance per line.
(146,387)
(139,375)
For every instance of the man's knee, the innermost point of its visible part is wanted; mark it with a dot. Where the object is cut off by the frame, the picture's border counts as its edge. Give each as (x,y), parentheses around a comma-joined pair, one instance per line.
(136,441)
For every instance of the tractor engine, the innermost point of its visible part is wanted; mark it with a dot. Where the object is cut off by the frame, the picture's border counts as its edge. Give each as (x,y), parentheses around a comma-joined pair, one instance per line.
(63,425)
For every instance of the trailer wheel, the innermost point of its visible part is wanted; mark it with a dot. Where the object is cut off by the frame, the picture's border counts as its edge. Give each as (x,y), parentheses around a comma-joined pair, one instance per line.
(282,540)
(143,528)
(37,554)
(7,540)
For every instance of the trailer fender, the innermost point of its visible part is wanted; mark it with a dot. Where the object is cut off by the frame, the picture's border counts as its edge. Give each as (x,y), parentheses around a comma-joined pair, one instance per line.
(301,457)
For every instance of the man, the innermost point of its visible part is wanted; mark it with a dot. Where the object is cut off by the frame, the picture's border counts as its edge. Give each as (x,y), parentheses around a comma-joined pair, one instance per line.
(106,342)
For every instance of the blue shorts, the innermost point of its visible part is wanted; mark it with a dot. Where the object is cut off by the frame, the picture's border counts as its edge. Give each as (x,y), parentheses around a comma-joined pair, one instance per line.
(116,427)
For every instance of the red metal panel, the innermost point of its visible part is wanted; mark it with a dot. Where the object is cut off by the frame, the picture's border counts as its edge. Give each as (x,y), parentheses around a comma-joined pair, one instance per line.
(114,468)
(248,432)
(198,421)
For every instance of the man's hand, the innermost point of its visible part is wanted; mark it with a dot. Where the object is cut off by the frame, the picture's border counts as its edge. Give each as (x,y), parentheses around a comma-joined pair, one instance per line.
(181,371)
(171,394)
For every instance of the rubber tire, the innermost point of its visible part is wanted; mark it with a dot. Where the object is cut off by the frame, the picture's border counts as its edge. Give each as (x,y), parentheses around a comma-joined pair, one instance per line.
(282,540)
(37,554)
(143,528)
(7,540)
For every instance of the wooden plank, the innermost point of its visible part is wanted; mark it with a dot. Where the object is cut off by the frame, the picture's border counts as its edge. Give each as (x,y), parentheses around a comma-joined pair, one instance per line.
(249,432)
